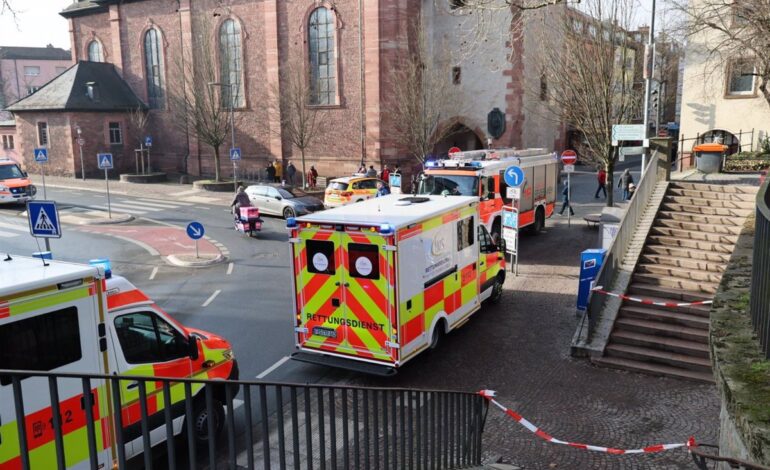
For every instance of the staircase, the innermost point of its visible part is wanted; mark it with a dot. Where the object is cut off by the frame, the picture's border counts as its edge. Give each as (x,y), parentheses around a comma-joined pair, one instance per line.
(683,258)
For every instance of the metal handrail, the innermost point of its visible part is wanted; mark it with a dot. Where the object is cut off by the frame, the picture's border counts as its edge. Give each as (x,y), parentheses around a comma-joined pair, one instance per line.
(760,270)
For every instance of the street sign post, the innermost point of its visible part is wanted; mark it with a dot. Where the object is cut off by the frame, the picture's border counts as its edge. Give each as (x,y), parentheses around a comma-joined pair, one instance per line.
(514,176)
(195,231)
(41,157)
(569,158)
(148,144)
(43,219)
(453,150)
(148,141)
(630,132)
(511,234)
(513,192)
(235,156)
(104,161)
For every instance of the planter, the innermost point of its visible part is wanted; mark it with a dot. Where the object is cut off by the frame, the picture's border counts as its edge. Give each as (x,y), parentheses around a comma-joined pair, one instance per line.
(156,177)
(213,186)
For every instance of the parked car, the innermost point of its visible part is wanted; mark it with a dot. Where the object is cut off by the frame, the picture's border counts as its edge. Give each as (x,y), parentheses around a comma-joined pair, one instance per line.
(286,201)
(350,189)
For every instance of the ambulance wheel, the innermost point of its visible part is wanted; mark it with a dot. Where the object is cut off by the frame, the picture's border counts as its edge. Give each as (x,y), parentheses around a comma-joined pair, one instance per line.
(201,423)
(497,289)
(360,200)
(435,338)
(288,212)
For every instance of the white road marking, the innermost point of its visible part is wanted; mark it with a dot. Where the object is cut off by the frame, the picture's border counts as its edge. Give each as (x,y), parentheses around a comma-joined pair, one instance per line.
(154,272)
(104,208)
(20,228)
(132,206)
(211,299)
(8,234)
(184,193)
(157,203)
(230,269)
(270,369)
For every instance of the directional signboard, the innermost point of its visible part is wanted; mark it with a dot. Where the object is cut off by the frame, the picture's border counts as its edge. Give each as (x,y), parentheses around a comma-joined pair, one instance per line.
(104,160)
(235,154)
(41,155)
(148,141)
(43,219)
(195,230)
(514,176)
(628,132)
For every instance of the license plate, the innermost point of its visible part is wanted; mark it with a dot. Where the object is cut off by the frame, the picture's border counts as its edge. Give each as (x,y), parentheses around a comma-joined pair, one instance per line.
(325,332)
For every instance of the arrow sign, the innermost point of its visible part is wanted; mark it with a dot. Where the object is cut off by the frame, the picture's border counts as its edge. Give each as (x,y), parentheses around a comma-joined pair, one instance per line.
(43,219)
(41,155)
(235,154)
(514,176)
(104,160)
(195,230)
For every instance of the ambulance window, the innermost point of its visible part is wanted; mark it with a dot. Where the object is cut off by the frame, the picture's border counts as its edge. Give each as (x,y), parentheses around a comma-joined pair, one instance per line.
(320,257)
(364,261)
(145,338)
(464,233)
(42,343)
(485,241)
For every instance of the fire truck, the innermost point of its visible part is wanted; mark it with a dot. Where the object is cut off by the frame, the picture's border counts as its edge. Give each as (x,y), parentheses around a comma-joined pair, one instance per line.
(377,282)
(480,173)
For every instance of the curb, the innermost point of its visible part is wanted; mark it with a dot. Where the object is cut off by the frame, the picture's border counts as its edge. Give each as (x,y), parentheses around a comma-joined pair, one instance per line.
(205,260)
(122,218)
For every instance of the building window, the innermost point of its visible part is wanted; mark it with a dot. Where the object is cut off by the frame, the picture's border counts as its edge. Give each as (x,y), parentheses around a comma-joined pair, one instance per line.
(456,75)
(323,60)
(592,30)
(60,70)
(116,135)
(32,89)
(231,64)
(741,77)
(95,53)
(153,63)
(455,4)
(8,143)
(42,134)
(31,70)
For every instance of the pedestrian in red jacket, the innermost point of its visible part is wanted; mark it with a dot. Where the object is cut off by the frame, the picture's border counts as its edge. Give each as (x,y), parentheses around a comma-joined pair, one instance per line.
(601,177)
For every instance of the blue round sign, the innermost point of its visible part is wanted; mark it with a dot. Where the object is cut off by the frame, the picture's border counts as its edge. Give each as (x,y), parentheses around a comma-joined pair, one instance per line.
(195,230)
(514,176)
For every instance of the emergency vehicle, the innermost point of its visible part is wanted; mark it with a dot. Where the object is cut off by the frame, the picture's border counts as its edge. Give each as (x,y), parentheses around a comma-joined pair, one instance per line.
(73,318)
(376,283)
(15,185)
(350,189)
(480,173)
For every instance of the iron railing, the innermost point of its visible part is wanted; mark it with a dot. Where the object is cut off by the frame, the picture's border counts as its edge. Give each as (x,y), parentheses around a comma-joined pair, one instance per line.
(684,145)
(760,270)
(272,425)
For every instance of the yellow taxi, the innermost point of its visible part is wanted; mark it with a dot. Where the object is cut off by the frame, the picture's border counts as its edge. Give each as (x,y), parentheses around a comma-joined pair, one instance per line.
(350,189)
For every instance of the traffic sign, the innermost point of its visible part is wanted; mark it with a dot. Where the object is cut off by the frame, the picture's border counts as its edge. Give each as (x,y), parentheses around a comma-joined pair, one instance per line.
(569,157)
(510,219)
(454,150)
(514,176)
(513,192)
(104,160)
(148,141)
(569,168)
(628,132)
(81,141)
(41,155)
(43,219)
(235,153)
(195,230)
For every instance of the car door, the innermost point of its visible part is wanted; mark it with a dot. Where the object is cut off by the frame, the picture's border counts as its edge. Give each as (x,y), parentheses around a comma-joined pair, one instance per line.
(273,201)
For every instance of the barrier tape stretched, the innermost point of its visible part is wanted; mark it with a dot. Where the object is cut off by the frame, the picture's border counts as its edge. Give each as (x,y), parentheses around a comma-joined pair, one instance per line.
(652,302)
(490,394)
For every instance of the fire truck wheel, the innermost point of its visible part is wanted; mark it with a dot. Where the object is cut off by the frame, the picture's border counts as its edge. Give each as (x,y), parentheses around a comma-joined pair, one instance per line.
(539,224)
(200,420)
(438,332)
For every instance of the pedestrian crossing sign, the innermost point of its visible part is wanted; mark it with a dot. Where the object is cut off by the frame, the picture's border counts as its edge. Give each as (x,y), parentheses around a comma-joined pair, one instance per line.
(43,219)
(235,153)
(41,155)
(104,160)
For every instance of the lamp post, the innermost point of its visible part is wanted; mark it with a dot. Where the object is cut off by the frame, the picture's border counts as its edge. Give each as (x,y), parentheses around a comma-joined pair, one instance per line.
(649,66)
(80,144)
(232,125)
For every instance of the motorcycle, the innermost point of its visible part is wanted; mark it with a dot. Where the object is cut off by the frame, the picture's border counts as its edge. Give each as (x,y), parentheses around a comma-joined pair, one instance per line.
(248,221)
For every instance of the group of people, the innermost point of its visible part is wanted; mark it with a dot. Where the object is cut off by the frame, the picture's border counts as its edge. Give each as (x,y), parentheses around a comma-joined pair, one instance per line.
(625,182)
(274,173)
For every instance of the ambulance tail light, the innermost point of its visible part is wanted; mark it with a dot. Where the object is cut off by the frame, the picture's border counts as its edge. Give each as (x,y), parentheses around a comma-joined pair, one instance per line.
(104,263)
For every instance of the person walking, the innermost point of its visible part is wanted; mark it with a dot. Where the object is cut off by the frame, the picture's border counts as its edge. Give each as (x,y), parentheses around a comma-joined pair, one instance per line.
(278,171)
(291,172)
(565,202)
(385,174)
(601,177)
(270,170)
(312,176)
(626,180)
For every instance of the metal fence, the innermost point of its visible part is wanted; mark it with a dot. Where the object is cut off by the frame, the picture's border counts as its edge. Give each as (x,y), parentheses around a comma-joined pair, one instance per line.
(760,270)
(742,141)
(271,425)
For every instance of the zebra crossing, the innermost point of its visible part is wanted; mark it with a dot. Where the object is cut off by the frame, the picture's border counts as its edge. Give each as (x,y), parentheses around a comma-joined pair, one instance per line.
(139,206)
(10,230)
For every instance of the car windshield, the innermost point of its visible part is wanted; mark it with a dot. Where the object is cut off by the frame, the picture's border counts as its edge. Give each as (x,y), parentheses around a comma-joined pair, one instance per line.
(10,171)
(454,185)
(338,185)
(291,193)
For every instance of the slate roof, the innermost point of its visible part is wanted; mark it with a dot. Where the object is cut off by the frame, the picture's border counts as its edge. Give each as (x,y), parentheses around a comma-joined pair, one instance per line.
(82,7)
(34,53)
(68,91)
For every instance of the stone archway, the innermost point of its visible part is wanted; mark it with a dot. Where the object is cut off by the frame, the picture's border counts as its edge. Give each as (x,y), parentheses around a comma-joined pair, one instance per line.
(462,137)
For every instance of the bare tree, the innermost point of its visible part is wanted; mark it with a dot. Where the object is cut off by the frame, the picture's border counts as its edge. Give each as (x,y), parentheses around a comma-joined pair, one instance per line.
(588,63)
(495,5)
(301,124)
(139,119)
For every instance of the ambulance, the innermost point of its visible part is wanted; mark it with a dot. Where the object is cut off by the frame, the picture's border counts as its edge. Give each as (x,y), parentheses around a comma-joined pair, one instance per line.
(481,173)
(15,185)
(378,282)
(63,317)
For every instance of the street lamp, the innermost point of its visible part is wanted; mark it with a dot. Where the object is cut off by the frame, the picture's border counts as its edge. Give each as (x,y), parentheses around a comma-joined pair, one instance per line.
(80,144)
(232,124)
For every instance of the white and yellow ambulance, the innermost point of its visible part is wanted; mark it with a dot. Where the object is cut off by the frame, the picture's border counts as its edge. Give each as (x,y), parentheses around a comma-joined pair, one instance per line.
(376,283)
(71,318)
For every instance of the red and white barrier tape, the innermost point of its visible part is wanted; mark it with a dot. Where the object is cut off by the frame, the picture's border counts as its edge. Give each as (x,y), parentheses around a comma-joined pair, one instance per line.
(652,302)
(490,394)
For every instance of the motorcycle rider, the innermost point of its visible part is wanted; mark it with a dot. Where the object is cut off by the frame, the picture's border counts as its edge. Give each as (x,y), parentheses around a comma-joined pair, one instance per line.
(241,199)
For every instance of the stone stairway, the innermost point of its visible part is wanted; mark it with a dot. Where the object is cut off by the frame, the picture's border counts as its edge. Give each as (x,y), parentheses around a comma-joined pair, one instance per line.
(683,258)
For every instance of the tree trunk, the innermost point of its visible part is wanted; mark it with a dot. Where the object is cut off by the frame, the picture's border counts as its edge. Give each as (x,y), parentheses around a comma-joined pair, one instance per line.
(217,175)
(609,168)
(304,172)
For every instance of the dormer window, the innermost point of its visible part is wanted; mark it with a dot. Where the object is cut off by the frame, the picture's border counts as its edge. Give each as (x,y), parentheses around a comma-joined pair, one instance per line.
(92,90)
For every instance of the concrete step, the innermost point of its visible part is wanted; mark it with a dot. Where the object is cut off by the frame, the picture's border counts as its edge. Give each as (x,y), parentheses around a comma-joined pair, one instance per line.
(665,315)
(682,262)
(641,354)
(694,235)
(681,273)
(700,218)
(720,188)
(696,201)
(726,248)
(694,193)
(681,346)
(689,253)
(662,330)
(676,282)
(653,369)
(652,291)
(705,210)
(698,227)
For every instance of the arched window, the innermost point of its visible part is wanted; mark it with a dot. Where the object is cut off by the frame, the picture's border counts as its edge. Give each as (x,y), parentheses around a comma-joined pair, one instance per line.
(95,53)
(323,58)
(153,65)
(231,64)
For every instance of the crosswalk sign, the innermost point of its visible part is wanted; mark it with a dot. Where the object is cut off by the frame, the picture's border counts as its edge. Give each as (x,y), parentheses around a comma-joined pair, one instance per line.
(235,154)
(41,155)
(43,219)
(104,160)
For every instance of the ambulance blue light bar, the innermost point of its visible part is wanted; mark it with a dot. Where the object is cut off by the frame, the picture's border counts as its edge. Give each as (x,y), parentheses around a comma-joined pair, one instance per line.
(291,222)
(104,263)
(387,229)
